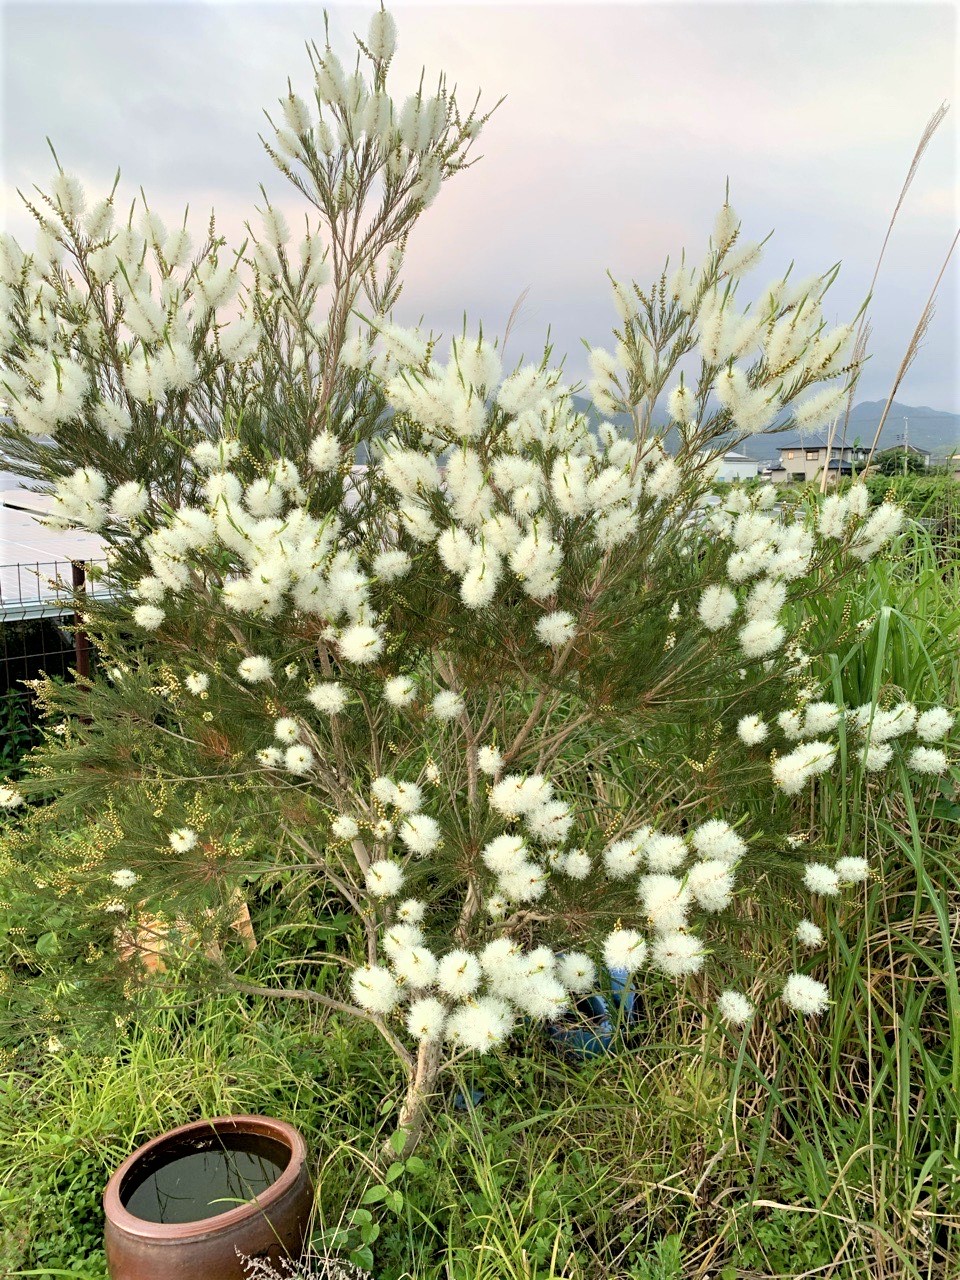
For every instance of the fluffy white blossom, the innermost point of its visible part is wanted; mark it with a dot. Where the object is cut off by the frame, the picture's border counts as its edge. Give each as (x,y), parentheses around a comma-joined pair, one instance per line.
(716,839)
(447,705)
(360,644)
(717,606)
(10,798)
(806,995)
(734,1007)
(927,760)
(752,730)
(375,988)
(792,772)
(343,827)
(330,697)
(148,616)
(481,1025)
(426,1019)
(489,760)
(809,935)
(760,637)
(124,878)
(298,759)
(624,949)
(577,972)
(183,839)
(197,682)
(400,691)
(255,670)
(420,833)
(820,878)
(458,974)
(384,879)
(678,954)
(852,870)
(934,724)
(286,730)
(555,629)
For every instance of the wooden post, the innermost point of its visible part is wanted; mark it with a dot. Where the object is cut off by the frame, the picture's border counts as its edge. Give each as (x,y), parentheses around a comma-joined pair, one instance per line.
(81,641)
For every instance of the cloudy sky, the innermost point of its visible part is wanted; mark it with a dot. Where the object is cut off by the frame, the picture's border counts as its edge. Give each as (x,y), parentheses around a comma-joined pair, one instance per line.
(620,128)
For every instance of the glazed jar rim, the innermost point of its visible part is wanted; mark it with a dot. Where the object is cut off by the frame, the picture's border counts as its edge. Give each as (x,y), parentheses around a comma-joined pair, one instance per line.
(120,1218)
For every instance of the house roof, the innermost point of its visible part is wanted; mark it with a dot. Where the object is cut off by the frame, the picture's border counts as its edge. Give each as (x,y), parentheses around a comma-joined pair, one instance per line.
(812,441)
(736,457)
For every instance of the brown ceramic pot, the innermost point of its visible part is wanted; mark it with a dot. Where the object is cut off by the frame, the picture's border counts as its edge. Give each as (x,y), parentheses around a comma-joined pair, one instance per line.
(272,1226)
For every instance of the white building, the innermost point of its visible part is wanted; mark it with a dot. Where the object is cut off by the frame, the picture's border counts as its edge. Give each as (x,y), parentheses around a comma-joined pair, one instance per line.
(734,466)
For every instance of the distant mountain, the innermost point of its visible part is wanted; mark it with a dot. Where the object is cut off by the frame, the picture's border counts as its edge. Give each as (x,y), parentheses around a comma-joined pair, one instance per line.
(933,429)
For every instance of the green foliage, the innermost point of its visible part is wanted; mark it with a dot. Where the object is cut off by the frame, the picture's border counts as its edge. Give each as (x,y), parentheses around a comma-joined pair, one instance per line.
(899,462)
(16,736)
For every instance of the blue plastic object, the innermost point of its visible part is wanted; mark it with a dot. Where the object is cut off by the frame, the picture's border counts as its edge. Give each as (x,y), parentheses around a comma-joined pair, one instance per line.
(593,1035)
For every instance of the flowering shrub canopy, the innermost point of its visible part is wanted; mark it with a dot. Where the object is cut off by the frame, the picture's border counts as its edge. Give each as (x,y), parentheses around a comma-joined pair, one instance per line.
(410,602)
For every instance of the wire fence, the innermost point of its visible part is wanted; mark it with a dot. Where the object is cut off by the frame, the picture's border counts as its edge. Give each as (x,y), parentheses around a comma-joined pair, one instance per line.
(39,636)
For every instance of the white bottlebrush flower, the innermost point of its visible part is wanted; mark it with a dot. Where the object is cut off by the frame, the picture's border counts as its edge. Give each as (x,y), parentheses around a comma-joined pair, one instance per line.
(388,566)
(809,935)
(286,730)
(400,691)
(384,789)
(458,974)
(489,760)
(416,967)
(678,954)
(711,884)
(624,857)
(933,725)
(197,682)
(625,950)
(375,988)
(751,730)
(682,405)
(876,756)
(717,606)
(884,524)
(504,854)
(734,1008)
(324,452)
(447,705)
(820,717)
(927,760)
(183,839)
(481,1025)
(791,724)
(819,878)
(549,823)
(852,870)
(420,834)
(269,757)
(255,670)
(426,1019)
(124,878)
(717,840)
(792,772)
(577,972)
(401,936)
(806,995)
(382,36)
(343,827)
(664,852)
(384,879)
(298,759)
(330,697)
(410,911)
(666,901)
(761,637)
(516,795)
(129,500)
(360,644)
(576,864)
(10,798)
(555,629)
(148,616)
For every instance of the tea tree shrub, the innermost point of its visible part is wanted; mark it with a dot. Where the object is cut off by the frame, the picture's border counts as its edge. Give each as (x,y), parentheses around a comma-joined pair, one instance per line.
(387,606)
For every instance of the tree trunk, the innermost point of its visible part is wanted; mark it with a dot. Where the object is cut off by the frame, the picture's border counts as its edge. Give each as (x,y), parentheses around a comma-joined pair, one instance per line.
(415,1111)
